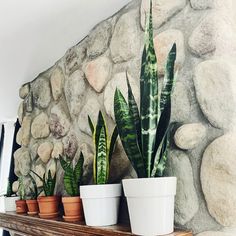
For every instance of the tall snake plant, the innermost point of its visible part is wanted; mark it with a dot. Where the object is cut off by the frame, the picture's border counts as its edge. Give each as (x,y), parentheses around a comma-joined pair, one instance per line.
(144,135)
(104,147)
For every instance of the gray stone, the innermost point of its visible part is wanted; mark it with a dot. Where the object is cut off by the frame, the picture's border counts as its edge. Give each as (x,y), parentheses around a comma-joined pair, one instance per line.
(59,120)
(34,151)
(163,10)
(22,162)
(118,81)
(24,90)
(188,136)
(181,106)
(99,39)
(41,92)
(203,37)
(19,137)
(70,144)
(57,80)
(125,42)
(186,200)
(98,72)
(25,130)
(91,108)
(74,57)
(40,126)
(44,151)
(218,179)
(28,102)
(163,42)
(75,88)
(206,4)
(20,112)
(52,166)
(57,149)
(216,79)
(15,186)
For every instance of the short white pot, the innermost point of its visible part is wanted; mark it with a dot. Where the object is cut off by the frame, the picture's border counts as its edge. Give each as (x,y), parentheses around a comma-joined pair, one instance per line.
(101,204)
(10,203)
(151,205)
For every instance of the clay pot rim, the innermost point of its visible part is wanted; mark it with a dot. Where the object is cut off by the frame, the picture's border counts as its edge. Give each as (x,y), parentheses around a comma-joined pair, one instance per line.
(20,201)
(74,199)
(31,201)
(48,198)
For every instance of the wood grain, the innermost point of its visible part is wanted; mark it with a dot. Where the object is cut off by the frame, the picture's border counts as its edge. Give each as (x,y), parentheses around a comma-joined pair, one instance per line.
(34,226)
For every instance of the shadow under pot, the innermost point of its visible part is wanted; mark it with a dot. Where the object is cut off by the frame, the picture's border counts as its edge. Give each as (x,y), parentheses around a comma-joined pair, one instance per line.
(101,204)
(48,207)
(33,207)
(21,207)
(73,209)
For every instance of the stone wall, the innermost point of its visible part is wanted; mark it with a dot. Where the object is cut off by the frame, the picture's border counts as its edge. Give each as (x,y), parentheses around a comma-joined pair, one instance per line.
(55,105)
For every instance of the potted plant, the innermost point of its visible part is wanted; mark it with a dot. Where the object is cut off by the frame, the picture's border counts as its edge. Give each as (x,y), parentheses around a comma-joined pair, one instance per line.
(21,206)
(145,138)
(101,201)
(72,179)
(32,203)
(9,199)
(48,204)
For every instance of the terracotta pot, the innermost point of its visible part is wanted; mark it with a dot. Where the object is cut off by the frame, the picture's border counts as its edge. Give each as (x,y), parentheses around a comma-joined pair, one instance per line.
(21,206)
(33,207)
(73,209)
(48,206)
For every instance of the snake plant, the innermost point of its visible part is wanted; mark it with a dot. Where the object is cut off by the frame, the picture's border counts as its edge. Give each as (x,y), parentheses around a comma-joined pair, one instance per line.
(21,189)
(34,192)
(144,135)
(72,176)
(104,147)
(48,184)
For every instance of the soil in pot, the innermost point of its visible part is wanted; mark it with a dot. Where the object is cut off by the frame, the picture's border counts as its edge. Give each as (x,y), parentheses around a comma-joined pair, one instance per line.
(21,207)
(48,206)
(33,207)
(73,209)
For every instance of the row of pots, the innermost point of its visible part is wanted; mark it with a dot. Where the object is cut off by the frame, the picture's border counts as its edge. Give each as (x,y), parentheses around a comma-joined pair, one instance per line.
(150,204)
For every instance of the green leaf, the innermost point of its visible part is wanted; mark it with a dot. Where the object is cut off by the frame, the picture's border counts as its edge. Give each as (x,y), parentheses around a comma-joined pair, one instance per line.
(127,133)
(91,124)
(112,143)
(169,78)
(102,158)
(78,171)
(134,112)
(149,105)
(70,183)
(64,164)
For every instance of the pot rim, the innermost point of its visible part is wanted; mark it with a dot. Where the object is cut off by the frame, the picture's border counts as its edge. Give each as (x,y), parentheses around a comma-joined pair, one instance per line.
(48,198)
(100,191)
(150,187)
(71,199)
(31,200)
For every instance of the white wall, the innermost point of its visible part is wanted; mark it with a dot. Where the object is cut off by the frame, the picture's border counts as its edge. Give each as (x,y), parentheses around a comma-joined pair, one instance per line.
(35,34)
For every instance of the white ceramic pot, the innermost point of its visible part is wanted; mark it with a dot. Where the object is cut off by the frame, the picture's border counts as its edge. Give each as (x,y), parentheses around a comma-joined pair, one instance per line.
(101,203)
(151,205)
(10,203)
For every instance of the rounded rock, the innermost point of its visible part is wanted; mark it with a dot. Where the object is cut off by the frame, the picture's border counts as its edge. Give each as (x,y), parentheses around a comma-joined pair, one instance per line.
(98,72)
(57,149)
(24,90)
(44,151)
(219,180)
(22,162)
(40,126)
(125,42)
(215,233)
(215,86)
(57,79)
(70,145)
(15,186)
(25,131)
(188,136)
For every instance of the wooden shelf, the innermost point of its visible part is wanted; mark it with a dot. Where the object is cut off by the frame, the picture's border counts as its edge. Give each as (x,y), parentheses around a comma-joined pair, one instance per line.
(34,226)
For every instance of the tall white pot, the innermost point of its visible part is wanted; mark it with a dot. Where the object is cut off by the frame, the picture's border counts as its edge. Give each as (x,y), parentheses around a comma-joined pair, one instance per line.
(8,203)
(151,205)
(101,204)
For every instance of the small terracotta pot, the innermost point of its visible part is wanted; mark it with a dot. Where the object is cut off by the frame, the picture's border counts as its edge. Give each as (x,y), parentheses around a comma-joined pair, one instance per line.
(21,207)
(48,206)
(73,209)
(33,207)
